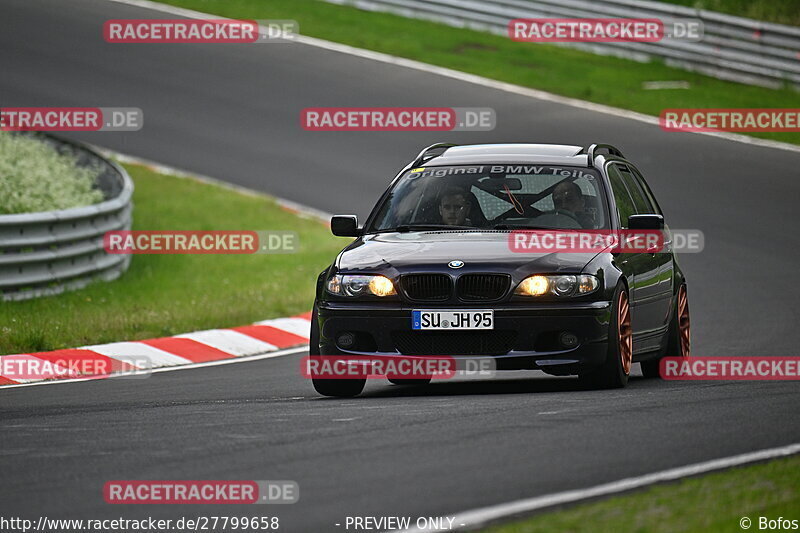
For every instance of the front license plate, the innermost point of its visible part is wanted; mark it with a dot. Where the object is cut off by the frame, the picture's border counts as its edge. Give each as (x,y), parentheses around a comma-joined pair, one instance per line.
(467,319)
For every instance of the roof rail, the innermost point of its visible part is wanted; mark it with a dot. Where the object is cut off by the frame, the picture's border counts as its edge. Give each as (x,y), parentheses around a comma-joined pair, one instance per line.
(425,156)
(612,150)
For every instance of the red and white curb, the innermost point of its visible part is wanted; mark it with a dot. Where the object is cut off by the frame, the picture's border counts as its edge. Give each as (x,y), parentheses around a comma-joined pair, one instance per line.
(276,336)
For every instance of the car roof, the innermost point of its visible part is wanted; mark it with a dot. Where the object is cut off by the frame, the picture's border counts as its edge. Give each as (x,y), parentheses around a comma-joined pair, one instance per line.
(561,154)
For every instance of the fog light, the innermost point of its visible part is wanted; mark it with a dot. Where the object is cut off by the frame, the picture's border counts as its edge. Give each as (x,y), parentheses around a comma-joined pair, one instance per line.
(568,339)
(346,339)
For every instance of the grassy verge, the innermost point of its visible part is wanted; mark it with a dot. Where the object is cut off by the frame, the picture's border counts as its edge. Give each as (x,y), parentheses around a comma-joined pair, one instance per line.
(601,79)
(171,294)
(708,504)
(780,11)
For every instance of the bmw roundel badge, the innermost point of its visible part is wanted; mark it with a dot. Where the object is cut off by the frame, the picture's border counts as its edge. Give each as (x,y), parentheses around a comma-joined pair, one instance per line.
(455,264)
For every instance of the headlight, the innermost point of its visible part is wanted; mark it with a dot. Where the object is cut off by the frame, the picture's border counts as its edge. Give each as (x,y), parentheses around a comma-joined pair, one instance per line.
(360,285)
(561,286)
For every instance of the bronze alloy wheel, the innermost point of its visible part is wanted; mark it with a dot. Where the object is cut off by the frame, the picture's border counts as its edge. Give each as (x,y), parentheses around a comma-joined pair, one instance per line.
(684,326)
(624,334)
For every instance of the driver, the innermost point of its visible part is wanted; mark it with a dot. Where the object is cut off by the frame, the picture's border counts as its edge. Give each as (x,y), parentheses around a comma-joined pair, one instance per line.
(567,196)
(454,206)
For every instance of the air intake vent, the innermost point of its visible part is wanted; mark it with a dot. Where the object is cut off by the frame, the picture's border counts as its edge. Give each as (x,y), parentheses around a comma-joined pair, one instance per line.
(482,287)
(427,287)
(454,342)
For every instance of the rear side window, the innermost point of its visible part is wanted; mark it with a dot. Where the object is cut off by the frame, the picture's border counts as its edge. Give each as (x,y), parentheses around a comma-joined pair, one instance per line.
(622,198)
(640,202)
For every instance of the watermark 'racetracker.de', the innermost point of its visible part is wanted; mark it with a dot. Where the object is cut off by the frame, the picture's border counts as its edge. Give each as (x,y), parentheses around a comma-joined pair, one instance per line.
(200,242)
(416,367)
(604,30)
(71,119)
(200,492)
(730,368)
(735,120)
(212,31)
(73,364)
(398,119)
(614,241)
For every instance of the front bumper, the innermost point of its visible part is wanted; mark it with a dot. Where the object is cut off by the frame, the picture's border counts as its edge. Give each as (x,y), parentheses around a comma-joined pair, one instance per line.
(524,337)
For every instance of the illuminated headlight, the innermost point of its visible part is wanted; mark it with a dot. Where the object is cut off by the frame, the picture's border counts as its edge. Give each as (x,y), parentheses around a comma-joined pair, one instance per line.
(360,285)
(560,286)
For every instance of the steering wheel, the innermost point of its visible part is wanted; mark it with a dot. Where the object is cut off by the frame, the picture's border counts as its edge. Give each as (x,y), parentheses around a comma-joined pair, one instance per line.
(567,213)
(559,218)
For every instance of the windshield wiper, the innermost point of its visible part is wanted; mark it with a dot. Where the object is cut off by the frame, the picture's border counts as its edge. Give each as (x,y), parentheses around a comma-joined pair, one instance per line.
(404,228)
(520,226)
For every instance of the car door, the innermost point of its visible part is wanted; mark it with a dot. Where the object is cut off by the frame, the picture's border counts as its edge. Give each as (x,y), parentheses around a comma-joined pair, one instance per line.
(645,203)
(641,269)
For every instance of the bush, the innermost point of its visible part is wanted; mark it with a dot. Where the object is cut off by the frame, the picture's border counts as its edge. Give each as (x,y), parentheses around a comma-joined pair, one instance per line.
(35,177)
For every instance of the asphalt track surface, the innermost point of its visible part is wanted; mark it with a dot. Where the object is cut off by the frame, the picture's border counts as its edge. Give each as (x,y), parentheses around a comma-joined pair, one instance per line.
(232,111)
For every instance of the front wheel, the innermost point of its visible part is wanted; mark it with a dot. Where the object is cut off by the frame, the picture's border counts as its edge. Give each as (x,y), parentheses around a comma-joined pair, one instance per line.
(614,372)
(678,336)
(340,388)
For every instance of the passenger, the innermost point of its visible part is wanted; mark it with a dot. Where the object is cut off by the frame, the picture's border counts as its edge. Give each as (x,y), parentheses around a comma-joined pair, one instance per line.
(454,207)
(567,196)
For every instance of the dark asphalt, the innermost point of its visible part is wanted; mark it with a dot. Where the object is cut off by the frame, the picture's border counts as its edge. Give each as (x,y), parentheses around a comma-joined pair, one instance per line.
(232,111)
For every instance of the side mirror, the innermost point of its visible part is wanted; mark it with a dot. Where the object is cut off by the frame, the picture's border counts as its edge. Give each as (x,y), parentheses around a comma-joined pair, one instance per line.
(345,225)
(653,222)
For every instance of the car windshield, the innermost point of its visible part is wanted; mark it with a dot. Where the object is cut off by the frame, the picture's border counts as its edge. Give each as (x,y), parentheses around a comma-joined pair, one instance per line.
(518,196)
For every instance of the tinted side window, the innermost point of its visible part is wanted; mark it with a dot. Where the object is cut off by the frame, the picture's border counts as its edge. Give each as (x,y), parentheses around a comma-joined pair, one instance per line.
(647,192)
(640,201)
(622,197)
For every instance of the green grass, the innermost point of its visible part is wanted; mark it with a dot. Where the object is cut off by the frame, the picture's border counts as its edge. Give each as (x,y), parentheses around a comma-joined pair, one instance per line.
(780,11)
(707,504)
(607,80)
(170,294)
(34,177)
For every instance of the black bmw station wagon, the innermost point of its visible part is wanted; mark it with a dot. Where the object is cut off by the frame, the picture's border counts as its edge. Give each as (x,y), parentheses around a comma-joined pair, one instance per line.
(431,271)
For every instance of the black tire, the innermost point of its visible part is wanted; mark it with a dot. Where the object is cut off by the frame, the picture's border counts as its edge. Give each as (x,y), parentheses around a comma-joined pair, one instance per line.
(613,373)
(651,367)
(424,381)
(339,388)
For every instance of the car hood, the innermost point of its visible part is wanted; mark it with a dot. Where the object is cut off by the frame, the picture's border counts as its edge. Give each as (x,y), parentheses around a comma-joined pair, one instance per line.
(431,251)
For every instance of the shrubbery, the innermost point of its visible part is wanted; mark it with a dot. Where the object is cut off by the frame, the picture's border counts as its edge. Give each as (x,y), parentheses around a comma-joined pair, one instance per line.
(35,177)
